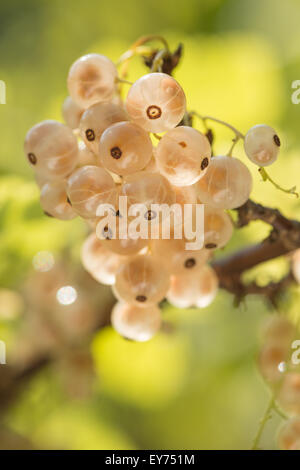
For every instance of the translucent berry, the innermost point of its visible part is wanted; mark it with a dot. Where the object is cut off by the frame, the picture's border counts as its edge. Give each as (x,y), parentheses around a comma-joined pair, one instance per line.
(227,184)
(112,240)
(125,148)
(185,195)
(270,358)
(136,323)
(142,280)
(40,179)
(195,288)
(51,149)
(278,330)
(54,201)
(96,119)
(88,187)
(262,145)
(91,79)
(289,435)
(100,263)
(289,394)
(176,258)
(218,228)
(147,188)
(86,156)
(156,102)
(72,113)
(296,265)
(183,155)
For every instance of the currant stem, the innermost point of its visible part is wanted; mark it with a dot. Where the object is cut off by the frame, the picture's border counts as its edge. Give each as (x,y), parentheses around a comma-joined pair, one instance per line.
(144,39)
(266,177)
(142,50)
(279,412)
(267,415)
(219,121)
(234,142)
(158,60)
(122,80)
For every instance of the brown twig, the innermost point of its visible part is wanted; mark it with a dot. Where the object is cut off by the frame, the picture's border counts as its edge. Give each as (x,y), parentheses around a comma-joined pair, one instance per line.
(283,239)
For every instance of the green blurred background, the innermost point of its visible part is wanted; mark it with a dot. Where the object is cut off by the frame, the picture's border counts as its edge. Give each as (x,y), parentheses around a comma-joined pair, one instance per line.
(195,386)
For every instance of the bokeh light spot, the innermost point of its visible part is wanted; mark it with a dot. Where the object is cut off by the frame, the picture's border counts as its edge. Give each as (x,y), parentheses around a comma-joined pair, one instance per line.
(66,295)
(43,261)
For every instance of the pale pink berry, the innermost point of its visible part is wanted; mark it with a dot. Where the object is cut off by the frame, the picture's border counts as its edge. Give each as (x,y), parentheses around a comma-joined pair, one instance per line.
(175,256)
(296,265)
(183,155)
(54,201)
(278,330)
(86,156)
(262,145)
(193,288)
(218,228)
(92,78)
(142,280)
(101,264)
(51,149)
(89,187)
(270,358)
(289,394)
(227,184)
(125,148)
(72,113)
(96,119)
(134,322)
(112,241)
(289,435)
(156,102)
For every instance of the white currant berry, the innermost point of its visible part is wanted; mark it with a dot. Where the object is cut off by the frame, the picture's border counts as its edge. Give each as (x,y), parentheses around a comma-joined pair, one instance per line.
(278,330)
(114,242)
(262,145)
(40,179)
(51,149)
(125,148)
(289,435)
(185,195)
(193,288)
(72,113)
(100,263)
(175,257)
(270,358)
(289,393)
(86,156)
(96,119)
(142,280)
(218,228)
(147,188)
(296,265)
(183,155)
(227,183)
(54,201)
(136,323)
(92,78)
(156,102)
(88,187)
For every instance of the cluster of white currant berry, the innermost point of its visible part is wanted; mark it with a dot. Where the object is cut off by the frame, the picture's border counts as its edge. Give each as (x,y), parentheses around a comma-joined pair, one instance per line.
(106,150)
(282,375)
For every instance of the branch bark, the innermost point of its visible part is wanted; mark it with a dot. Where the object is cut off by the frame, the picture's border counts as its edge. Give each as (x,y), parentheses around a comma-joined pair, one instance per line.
(283,239)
